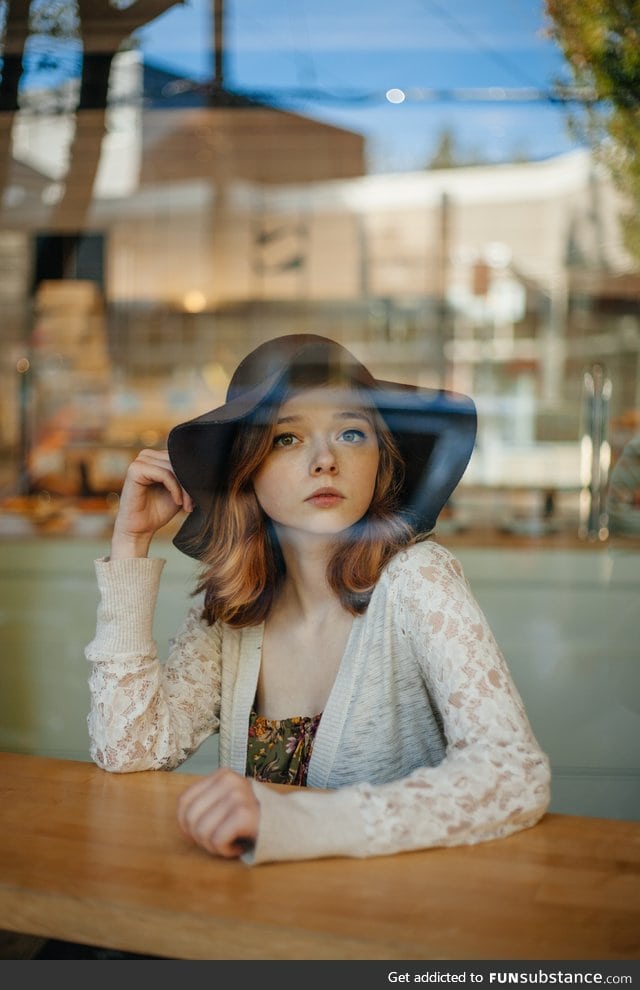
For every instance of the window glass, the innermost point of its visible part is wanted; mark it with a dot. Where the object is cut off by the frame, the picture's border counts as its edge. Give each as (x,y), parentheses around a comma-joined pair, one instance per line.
(181,181)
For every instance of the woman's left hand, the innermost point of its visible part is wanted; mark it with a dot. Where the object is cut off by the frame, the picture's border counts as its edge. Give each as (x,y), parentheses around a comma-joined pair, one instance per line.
(220,813)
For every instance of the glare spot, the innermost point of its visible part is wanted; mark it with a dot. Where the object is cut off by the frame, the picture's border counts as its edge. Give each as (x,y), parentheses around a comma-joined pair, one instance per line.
(194,301)
(52,193)
(149,437)
(395,96)
(13,196)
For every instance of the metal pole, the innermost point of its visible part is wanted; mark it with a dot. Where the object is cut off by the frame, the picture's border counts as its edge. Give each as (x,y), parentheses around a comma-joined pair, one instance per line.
(595,455)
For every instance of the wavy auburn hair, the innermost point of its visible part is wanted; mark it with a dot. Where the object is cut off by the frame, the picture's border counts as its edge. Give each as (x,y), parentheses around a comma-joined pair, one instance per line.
(243,567)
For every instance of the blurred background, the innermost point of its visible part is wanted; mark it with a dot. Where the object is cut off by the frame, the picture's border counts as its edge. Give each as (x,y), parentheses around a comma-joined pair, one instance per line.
(451,190)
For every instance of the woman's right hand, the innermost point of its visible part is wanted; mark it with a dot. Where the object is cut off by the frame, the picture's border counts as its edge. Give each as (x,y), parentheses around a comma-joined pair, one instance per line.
(151,496)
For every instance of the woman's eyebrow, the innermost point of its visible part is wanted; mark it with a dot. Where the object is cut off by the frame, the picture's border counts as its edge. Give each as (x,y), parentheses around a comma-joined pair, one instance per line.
(288,419)
(354,414)
(343,414)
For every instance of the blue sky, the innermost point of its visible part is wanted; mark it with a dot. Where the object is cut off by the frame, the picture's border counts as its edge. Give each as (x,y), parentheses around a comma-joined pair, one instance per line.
(335,61)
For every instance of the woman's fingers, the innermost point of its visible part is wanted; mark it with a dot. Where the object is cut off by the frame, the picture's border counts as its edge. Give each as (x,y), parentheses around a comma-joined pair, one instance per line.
(150,482)
(151,496)
(218,810)
(220,813)
(158,460)
(153,467)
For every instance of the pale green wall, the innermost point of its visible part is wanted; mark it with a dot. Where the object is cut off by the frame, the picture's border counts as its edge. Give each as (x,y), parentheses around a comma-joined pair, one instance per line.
(568,622)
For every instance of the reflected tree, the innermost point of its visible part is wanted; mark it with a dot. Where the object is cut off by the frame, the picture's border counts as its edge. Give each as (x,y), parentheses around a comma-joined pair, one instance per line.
(448,153)
(601,42)
(103,27)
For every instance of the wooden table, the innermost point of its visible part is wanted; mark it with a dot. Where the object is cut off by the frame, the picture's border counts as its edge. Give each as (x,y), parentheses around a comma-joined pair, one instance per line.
(97,858)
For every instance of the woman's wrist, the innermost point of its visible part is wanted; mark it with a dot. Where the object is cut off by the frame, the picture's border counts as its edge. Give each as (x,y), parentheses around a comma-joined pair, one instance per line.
(129,545)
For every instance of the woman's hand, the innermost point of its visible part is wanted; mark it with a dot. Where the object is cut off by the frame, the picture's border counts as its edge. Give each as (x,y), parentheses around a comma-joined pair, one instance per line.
(151,496)
(220,813)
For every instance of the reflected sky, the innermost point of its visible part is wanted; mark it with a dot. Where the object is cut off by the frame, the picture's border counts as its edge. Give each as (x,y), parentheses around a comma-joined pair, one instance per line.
(482,71)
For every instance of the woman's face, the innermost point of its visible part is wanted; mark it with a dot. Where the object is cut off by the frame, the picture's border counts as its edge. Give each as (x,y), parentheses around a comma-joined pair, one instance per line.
(320,473)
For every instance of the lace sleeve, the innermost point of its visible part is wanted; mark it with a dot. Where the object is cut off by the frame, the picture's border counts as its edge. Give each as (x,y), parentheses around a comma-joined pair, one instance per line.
(494,779)
(145,714)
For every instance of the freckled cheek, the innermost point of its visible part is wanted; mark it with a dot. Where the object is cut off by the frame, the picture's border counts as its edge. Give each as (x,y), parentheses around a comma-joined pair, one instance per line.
(365,474)
(368,470)
(273,485)
(268,491)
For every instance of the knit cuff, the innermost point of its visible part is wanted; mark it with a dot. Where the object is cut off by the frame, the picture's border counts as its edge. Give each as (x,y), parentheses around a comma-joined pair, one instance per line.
(128,592)
(307,824)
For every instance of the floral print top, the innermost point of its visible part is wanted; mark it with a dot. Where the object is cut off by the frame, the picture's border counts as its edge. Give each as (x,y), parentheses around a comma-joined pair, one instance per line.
(279,750)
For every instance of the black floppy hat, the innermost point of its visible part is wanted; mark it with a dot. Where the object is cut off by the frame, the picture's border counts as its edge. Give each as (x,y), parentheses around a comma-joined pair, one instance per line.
(434,429)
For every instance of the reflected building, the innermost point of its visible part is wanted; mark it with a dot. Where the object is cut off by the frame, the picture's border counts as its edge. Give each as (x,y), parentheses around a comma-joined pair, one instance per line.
(149,243)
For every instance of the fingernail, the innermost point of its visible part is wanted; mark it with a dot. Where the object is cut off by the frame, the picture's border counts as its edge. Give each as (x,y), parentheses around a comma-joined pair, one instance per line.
(245,845)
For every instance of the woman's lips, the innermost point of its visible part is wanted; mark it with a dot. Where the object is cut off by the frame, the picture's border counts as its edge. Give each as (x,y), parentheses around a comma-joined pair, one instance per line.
(325,497)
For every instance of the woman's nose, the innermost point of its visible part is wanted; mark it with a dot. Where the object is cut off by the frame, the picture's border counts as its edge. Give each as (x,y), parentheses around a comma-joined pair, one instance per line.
(323,460)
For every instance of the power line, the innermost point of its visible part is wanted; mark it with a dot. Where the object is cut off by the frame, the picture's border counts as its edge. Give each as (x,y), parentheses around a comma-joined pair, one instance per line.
(487,94)
(479,43)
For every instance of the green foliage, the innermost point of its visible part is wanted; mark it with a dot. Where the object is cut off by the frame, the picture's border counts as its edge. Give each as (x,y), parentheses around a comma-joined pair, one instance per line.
(601,41)
(448,154)
(57,18)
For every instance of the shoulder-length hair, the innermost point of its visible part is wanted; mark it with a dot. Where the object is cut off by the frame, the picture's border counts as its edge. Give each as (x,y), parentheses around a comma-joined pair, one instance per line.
(243,567)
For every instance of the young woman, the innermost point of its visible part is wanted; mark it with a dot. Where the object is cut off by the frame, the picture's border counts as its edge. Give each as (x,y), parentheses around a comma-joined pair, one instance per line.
(333,646)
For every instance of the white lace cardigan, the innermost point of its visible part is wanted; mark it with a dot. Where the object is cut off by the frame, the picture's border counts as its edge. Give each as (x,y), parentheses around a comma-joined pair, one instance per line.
(424,740)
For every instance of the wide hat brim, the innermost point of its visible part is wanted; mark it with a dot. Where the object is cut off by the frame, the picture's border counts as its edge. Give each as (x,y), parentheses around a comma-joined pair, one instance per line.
(434,429)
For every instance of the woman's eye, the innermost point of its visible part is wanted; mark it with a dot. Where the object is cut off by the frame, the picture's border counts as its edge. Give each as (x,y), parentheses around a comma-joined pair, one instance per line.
(352,436)
(284,440)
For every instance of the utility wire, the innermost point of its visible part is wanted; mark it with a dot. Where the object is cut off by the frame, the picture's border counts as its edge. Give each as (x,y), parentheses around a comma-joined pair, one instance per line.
(479,43)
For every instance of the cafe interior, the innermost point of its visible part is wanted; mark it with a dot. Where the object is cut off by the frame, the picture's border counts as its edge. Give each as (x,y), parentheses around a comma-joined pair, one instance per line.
(159,221)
